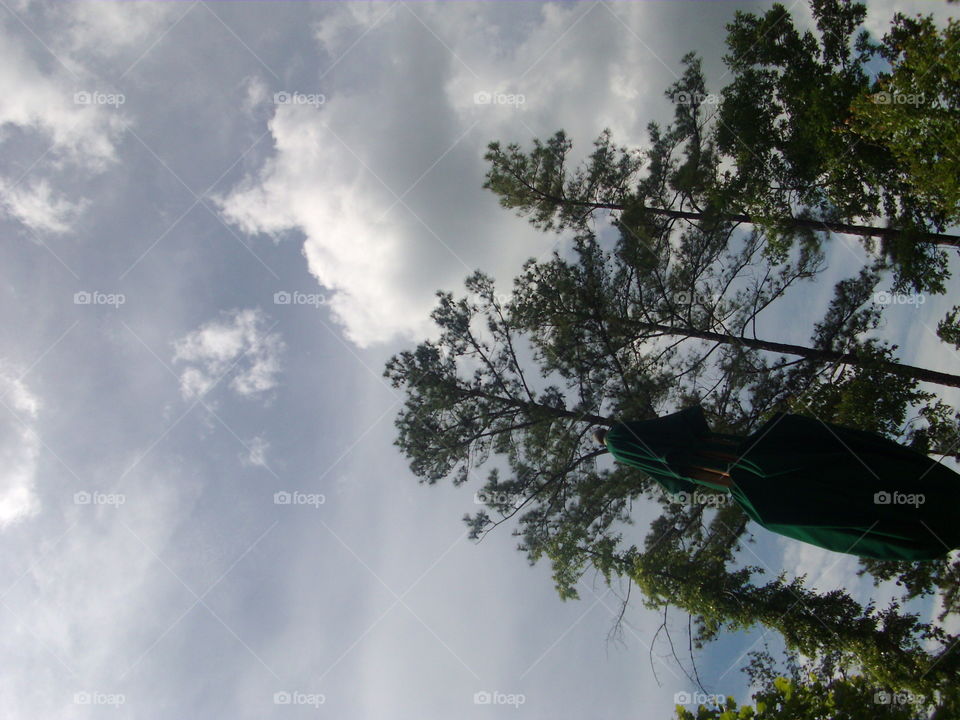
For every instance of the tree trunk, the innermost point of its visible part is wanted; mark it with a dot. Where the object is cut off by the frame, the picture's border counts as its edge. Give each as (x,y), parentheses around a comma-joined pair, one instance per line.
(894,368)
(845,228)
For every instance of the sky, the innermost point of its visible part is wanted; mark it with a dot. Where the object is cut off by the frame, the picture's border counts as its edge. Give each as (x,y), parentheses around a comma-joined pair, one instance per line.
(220,220)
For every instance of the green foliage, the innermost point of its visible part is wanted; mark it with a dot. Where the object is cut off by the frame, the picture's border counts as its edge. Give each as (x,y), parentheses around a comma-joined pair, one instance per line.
(948,329)
(785,124)
(667,317)
(538,184)
(469,397)
(853,698)
(913,111)
(801,120)
(864,396)
(819,689)
(789,91)
(885,643)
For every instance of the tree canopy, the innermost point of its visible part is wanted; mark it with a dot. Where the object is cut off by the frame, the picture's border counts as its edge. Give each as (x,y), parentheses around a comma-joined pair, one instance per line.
(672,310)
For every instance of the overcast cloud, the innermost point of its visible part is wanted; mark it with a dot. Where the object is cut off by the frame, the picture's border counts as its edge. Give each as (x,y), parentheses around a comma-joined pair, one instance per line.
(221,219)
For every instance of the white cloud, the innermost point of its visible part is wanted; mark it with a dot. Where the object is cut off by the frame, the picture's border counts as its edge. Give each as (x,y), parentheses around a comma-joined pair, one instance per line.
(349,250)
(256,92)
(111,28)
(19,450)
(43,103)
(256,454)
(825,570)
(238,346)
(44,97)
(336,171)
(345,22)
(92,601)
(34,205)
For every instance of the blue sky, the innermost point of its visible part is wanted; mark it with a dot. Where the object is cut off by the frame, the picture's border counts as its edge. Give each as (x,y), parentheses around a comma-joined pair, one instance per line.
(220,220)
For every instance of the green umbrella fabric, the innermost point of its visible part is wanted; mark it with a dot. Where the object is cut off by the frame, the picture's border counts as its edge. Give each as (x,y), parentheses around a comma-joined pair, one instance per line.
(839,488)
